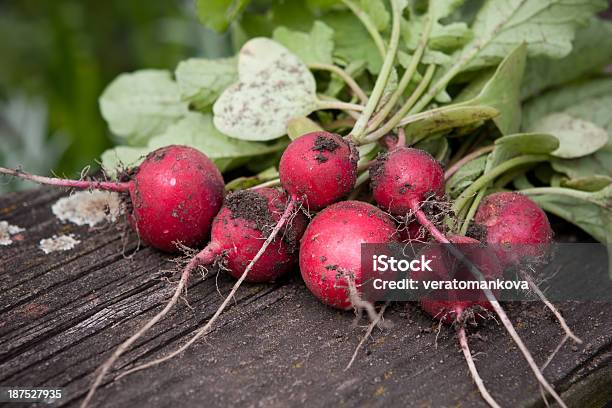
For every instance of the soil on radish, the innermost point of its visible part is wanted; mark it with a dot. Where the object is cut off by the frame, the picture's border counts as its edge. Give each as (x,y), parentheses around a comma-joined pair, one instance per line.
(248,205)
(319,169)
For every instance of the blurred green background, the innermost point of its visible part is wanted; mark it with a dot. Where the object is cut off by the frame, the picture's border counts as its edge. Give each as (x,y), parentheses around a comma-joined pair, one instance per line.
(57,57)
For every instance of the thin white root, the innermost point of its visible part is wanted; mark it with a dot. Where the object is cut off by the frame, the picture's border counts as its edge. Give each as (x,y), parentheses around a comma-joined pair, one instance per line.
(568,332)
(358,303)
(525,351)
(108,364)
(204,330)
(548,361)
(554,353)
(367,335)
(499,310)
(473,371)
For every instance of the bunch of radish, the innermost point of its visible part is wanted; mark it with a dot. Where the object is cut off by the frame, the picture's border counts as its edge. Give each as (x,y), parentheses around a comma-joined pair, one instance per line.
(176,197)
(403,112)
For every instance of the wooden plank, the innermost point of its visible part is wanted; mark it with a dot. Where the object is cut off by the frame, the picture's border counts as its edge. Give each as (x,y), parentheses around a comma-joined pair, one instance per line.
(62,314)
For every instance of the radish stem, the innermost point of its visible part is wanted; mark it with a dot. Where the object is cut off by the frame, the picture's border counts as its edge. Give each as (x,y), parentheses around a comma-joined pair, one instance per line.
(472,211)
(396,119)
(465,159)
(333,104)
(118,187)
(345,77)
(485,179)
(383,76)
(405,80)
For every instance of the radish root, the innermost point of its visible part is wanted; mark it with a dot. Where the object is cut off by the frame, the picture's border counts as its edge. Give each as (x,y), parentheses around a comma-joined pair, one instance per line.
(473,371)
(206,329)
(440,237)
(358,303)
(568,332)
(108,364)
(368,333)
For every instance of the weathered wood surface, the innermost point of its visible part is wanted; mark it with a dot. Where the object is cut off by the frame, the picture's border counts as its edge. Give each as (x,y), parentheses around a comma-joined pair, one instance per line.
(61,315)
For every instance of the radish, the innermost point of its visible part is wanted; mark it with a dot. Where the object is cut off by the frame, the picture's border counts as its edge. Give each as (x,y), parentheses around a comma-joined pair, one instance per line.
(240,228)
(455,306)
(316,169)
(241,233)
(519,231)
(411,231)
(319,168)
(174,195)
(330,251)
(404,178)
(451,306)
(515,227)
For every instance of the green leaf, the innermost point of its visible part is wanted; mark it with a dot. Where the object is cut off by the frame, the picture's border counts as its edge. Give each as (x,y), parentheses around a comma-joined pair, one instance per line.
(242,183)
(139,105)
(314,47)
(577,137)
(436,146)
(592,51)
(352,41)
(274,87)
(502,91)
(519,144)
(378,13)
(121,158)
(437,120)
(300,126)
(201,80)
(449,37)
(590,211)
(195,130)
(546,26)
(465,176)
(592,183)
(444,8)
(218,14)
(444,38)
(589,101)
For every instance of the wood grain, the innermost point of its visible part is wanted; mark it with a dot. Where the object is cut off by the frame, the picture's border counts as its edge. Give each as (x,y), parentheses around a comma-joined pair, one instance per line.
(62,314)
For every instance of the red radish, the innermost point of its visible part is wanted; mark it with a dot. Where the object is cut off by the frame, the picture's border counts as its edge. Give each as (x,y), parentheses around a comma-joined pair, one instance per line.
(330,251)
(404,178)
(319,168)
(456,306)
(520,234)
(238,242)
(316,169)
(240,229)
(450,305)
(515,226)
(174,195)
(412,231)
